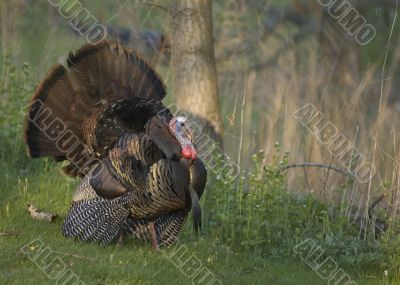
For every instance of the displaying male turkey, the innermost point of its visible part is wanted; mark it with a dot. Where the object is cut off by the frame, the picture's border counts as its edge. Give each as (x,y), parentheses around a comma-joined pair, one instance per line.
(141,174)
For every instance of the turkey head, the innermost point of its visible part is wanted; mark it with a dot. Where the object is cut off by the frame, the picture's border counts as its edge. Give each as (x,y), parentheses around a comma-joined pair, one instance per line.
(174,138)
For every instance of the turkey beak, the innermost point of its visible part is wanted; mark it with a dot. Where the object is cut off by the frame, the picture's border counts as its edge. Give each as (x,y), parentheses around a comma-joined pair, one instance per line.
(193,155)
(190,135)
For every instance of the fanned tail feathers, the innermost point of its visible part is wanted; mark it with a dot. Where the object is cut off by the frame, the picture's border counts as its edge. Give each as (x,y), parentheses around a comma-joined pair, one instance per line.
(70,97)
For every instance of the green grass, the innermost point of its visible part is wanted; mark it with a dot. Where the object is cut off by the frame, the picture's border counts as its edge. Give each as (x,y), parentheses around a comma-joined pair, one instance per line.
(228,248)
(25,181)
(39,182)
(133,263)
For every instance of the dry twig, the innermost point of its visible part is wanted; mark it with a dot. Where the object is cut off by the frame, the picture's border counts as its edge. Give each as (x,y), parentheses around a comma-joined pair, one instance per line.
(9,233)
(39,215)
(320,165)
(159,6)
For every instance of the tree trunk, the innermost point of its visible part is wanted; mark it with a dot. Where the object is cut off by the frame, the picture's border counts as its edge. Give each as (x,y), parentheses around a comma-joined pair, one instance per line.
(193,61)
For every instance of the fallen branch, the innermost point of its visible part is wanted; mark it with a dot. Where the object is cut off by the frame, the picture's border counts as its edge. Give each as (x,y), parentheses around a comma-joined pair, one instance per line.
(39,215)
(156,5)
(376,202)
(9,233)
(319,165)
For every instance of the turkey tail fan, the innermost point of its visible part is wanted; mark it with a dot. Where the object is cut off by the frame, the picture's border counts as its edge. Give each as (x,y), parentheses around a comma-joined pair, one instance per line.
(47,111)
(95,76)
(109,68)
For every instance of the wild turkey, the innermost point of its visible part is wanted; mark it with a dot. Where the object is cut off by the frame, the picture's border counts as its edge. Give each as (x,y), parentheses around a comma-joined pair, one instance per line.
(103,113)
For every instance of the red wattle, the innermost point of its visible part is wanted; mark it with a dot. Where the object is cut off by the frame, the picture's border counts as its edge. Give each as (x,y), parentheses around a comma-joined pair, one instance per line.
(186,153)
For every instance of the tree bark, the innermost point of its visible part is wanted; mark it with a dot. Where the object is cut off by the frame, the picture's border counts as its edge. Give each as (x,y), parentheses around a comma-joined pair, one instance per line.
(193,61)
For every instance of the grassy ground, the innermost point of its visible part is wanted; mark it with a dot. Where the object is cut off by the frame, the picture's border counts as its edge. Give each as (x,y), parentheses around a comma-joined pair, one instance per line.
(133,263)
(25,181)
(40,183)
